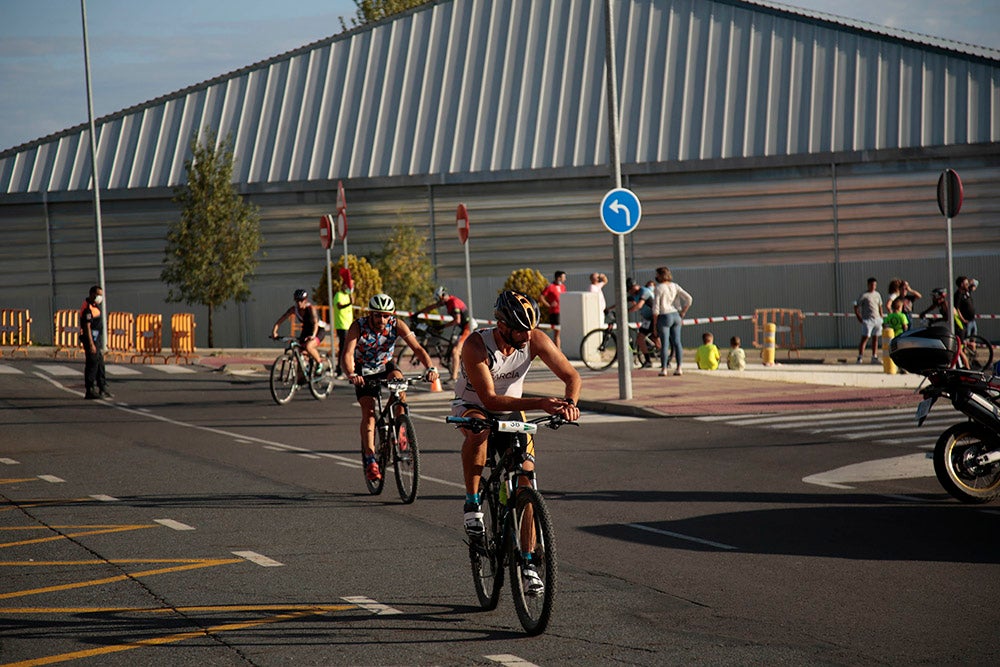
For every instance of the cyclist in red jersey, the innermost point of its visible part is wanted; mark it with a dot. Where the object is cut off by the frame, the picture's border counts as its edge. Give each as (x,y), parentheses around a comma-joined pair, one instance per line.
(550,299)
(459,313)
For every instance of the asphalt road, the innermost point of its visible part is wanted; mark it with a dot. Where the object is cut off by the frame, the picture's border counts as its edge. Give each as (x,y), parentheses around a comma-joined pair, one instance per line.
(191,521)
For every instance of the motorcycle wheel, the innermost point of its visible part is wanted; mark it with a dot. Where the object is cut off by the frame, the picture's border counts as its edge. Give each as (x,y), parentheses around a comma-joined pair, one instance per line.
(955,463)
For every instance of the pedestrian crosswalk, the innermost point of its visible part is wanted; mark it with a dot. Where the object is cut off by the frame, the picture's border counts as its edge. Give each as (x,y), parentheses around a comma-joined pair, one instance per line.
(894,427)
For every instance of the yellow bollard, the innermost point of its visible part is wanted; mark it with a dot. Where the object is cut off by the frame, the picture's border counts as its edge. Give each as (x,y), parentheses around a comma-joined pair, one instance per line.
(767,354)
(887,364)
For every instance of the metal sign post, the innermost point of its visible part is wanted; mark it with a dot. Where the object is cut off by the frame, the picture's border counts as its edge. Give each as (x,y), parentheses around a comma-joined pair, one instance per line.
(462,221)
(949,196)
(326,240)
(624,354)
(103,342)
(342,218)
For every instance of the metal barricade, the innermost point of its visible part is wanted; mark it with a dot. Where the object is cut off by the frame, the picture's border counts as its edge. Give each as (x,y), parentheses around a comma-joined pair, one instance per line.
(181,338)
(789,326)
(15,329)
(148,337)
(66,333)
(121,334)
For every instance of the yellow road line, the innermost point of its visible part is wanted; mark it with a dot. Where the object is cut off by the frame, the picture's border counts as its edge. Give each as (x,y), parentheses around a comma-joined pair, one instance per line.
(116,561)
(42,503)
(157,641)
(16,480)
(318,608)
(123,577)
(100,531)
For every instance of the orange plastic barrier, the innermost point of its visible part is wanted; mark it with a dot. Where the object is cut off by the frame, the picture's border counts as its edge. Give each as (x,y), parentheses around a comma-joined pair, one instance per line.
(15,329)
(789,327)
(66,333)
(324,315)
(121,334)
(148,337)
(181,337)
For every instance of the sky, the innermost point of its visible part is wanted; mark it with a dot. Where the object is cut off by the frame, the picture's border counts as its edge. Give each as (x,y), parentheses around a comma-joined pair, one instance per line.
(140,50)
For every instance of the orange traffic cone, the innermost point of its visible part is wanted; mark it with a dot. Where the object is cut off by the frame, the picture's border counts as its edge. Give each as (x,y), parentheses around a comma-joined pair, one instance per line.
(436,385)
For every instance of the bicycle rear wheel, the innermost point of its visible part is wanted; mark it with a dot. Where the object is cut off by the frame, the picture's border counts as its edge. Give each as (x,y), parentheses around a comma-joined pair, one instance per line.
(284,378)
(979,352)
(487,562)
(599,349)
(321,386)
(533,609)
(406,459)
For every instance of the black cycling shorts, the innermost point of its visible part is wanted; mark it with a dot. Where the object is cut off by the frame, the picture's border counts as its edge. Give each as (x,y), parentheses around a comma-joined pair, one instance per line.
(372,388)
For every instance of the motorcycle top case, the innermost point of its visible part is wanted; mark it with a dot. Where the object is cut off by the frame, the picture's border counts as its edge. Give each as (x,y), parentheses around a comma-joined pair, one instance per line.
(924,350)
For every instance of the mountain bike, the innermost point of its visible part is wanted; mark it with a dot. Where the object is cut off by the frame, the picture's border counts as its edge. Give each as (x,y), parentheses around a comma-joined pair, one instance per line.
(396,440)
(432,338)
(516,521)
(293,370)
(599,348)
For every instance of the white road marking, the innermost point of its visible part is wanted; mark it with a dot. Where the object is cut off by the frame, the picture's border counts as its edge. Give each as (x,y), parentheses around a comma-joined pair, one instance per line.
(172,370)
(175,525)
(909,466)
(508,660)
(10,370)
(371,605)
(116,370)
(750,420)
(9,462)
(258,559)
(681,536)
(51,479)
(310,455)
(103,498)
(58,370)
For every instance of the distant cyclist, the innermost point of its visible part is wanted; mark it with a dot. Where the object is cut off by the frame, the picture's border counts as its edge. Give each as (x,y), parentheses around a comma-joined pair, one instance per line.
(369,348)
(494,364)
(640,298)
(313,328)
(457,309)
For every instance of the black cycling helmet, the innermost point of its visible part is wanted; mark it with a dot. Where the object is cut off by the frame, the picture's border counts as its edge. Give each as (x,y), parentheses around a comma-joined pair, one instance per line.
(939,291)
(516,310)
(300,294)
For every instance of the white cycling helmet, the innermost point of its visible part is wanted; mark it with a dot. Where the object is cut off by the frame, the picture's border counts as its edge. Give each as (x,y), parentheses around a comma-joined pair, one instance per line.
(441,292)
(382,303)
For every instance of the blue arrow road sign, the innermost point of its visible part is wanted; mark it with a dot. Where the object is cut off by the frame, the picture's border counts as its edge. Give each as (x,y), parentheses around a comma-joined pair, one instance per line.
(620,211)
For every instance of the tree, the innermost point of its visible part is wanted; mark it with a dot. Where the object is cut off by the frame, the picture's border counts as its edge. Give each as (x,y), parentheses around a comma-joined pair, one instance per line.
(530,282)
(211,251)
(370,11)
(406,268)
(367,281)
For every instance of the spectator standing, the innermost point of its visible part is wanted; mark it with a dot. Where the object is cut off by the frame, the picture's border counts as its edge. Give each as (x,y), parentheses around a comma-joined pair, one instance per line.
(868,310)
(896,320)
(550,297)
(342,314)
(909,296)
(91,323)
(965,307)
(707,356)
(597,283)
(737,358)
(670,305)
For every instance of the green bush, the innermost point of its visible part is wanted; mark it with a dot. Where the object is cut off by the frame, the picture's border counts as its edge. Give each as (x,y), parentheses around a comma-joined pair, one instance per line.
(530,282)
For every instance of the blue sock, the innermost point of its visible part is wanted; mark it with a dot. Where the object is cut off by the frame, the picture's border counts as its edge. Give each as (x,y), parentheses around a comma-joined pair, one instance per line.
(472,498)
(527,557)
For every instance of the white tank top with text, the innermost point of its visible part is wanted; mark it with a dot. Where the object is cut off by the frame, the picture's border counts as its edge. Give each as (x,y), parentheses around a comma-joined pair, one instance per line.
(508,372)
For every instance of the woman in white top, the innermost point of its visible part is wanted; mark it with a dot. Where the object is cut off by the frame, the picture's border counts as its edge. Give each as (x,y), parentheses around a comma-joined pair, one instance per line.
(670,305)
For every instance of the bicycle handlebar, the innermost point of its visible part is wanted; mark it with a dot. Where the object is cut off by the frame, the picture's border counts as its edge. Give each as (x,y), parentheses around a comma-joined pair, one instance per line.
(478,425)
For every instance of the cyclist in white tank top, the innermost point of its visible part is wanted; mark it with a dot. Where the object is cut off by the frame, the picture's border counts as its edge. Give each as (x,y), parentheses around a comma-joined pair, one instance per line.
(494,364)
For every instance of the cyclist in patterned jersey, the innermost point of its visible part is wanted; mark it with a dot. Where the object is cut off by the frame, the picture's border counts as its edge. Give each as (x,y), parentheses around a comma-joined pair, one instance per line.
(369,347)
(459,312)
(495,362)
(313,328)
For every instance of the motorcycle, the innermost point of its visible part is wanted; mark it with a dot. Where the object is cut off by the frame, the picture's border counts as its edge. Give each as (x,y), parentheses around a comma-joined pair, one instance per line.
(967,455)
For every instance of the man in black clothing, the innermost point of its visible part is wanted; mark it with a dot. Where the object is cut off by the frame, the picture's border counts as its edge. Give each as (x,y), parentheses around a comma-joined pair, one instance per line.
(91,326)
(965,307)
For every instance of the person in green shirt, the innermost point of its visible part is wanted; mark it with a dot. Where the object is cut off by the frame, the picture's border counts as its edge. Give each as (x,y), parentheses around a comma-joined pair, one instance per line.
(343,317)
(707,356)
(896,320)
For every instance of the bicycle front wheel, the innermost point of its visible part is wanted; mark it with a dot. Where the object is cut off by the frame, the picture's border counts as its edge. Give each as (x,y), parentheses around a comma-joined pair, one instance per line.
(599,349)
(532,535)
(487,562)
(979,352)
(284,376)
(321,386)
(406,459)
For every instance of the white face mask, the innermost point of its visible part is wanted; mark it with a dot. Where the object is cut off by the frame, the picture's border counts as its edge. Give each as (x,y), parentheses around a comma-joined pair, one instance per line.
(98,299)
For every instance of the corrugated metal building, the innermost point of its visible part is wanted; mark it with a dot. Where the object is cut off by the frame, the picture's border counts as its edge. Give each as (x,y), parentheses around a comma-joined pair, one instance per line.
(781,157)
